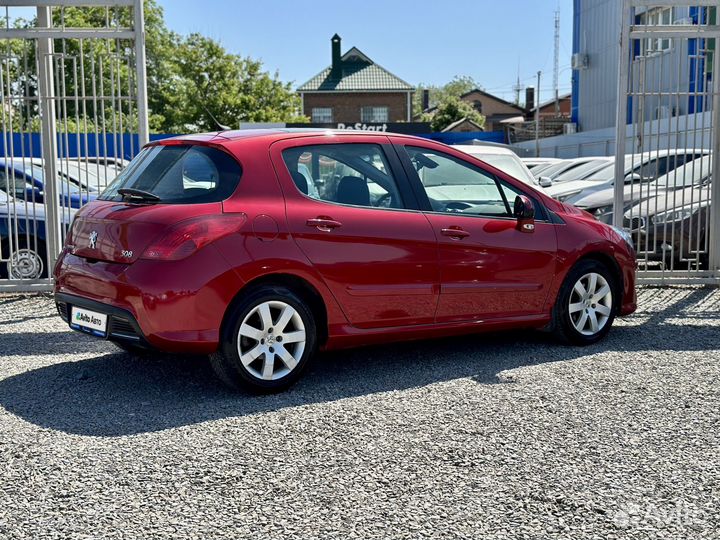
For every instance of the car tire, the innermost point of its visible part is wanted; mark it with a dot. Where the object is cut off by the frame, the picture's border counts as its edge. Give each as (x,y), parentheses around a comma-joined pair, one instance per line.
(267,340)
(586,304)
(28,261)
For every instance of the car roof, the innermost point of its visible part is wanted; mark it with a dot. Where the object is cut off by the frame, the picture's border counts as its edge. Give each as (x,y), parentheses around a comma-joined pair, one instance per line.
(484,150)
(219,137)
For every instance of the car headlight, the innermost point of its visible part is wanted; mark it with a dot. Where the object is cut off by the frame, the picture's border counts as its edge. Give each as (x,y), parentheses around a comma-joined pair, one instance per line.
(680,214)
(625,235)
(601,210)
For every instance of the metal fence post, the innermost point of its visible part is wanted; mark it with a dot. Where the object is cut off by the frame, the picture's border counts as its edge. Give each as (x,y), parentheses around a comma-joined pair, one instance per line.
(621,118)
(714,236)
(140,69)
(53,235)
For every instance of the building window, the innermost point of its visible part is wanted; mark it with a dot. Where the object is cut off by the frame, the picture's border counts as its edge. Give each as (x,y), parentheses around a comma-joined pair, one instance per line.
(322,115)
(655,17)
(374,114)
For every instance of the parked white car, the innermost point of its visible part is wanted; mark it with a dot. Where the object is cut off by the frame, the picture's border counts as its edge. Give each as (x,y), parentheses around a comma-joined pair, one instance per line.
(644,167)
(584,171)
(547,176)
(600,203)
(504,159)
(537,162)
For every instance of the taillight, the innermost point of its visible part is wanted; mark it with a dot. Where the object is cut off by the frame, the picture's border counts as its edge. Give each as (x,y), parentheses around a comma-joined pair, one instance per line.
(185,238)
(70,236)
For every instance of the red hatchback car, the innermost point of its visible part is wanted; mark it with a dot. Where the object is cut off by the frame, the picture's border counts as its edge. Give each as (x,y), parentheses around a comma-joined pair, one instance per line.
(261,247)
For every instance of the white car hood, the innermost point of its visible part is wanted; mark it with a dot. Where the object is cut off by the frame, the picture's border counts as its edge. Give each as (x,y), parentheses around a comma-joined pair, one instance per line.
(575,186)
(635,192)
(696,197)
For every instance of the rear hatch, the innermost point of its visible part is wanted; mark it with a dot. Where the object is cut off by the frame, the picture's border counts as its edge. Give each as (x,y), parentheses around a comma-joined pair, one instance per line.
(120,232)
(163,185)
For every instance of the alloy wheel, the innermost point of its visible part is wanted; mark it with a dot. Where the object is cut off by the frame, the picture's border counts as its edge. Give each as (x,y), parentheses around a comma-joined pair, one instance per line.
(590,304)
(271,340)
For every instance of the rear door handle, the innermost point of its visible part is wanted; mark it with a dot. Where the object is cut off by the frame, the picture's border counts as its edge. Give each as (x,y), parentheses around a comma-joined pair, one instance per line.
(455,232)
(323,223)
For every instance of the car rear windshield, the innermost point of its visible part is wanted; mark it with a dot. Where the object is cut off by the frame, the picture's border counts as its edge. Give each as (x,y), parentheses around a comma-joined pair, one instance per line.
(180,174)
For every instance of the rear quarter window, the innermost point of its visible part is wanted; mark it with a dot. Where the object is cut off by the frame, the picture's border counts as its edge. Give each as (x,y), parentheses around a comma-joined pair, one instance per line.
(180,174)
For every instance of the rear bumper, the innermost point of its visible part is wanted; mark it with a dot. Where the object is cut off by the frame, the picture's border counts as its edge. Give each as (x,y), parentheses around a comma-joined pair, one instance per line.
(176,307)
(122,325)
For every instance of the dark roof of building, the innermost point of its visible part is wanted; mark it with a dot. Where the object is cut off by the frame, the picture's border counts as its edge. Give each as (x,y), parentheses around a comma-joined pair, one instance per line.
(491,96)
(358,73)
(551,101)
(461,122)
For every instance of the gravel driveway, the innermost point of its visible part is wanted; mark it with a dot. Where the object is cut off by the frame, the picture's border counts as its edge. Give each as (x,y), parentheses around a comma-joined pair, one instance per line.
(483,437)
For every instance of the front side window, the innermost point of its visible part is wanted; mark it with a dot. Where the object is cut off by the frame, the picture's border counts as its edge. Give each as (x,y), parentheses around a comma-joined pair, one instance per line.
(457,187)
(354,174)
(374,114)
(322,115)
(179,174)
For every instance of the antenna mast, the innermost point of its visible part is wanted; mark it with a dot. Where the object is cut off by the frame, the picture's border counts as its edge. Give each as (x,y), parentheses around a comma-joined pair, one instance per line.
(556,62)
(517,88)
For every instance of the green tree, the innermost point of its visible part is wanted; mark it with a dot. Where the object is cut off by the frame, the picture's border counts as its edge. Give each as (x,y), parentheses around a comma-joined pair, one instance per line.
(186,78)
(451,110)
(216,85)
(459,85)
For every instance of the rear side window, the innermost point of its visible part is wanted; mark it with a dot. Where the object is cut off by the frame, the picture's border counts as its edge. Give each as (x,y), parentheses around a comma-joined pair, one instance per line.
(179,174)
(356,174)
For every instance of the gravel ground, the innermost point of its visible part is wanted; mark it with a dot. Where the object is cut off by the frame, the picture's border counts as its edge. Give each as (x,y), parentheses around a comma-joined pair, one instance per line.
(503,436)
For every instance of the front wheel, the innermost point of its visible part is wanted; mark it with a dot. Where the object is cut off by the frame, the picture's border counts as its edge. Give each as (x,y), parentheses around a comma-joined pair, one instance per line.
(587,304)
(267,341)
(27,260)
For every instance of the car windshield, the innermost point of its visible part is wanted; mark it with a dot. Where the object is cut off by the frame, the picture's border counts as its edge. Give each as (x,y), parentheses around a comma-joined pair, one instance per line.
(692,173)
(553,169)
(608,172)
(68,183)
(580,172)
(178,173)
(507,164)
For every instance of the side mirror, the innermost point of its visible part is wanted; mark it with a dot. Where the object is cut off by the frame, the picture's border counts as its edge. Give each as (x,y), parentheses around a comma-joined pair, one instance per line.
(633,177)
(545,181)
(524,211)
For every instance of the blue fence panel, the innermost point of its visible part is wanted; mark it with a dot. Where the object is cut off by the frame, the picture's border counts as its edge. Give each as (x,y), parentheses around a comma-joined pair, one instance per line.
(28,145)
(468,137)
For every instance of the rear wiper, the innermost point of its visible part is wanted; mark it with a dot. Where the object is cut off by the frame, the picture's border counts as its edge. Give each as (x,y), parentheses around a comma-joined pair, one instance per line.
(130,194)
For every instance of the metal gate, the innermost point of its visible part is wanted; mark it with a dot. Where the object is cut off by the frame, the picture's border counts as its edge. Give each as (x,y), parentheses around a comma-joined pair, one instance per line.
(74,111)
(669,110)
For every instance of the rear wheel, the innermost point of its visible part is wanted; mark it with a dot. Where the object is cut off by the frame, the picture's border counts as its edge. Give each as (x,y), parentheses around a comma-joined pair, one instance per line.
(586,305)
(267,341)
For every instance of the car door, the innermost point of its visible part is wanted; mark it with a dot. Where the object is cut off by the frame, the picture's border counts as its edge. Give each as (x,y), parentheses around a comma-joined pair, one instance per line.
(352,213)
(489,266)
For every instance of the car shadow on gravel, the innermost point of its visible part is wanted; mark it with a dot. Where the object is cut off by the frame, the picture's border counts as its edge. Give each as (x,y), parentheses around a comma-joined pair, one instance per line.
(113,394)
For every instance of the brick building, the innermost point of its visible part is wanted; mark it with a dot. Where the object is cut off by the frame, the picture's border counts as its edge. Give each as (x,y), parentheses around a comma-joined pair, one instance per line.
(547,109)
(494,109)
(355,89)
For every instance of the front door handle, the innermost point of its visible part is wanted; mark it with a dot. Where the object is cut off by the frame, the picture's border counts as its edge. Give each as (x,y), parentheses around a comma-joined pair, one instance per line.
(323,223)
(455,232)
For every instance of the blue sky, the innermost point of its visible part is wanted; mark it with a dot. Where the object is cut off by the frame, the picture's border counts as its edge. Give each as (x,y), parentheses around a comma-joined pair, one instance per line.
(421,41)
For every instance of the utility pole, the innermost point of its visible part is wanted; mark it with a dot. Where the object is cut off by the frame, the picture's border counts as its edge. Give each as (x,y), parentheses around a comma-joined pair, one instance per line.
(537,118)
(556,63)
